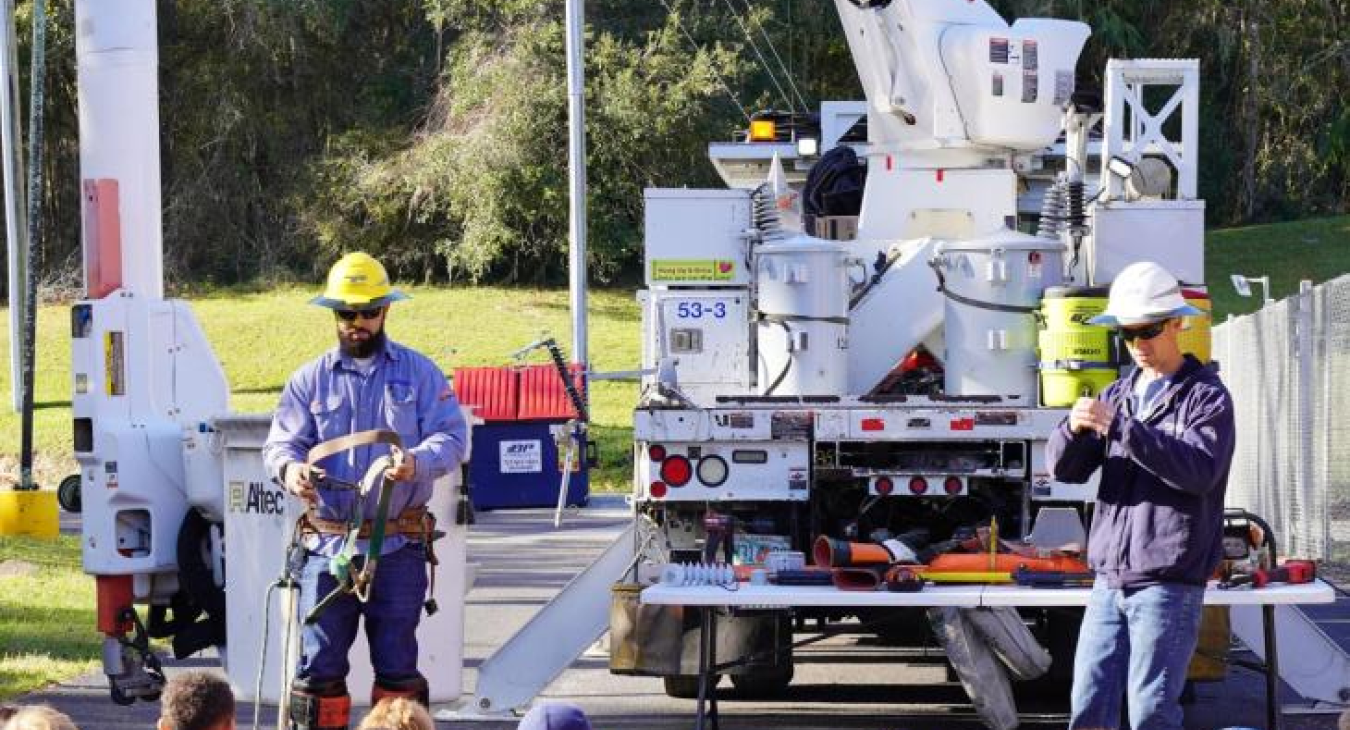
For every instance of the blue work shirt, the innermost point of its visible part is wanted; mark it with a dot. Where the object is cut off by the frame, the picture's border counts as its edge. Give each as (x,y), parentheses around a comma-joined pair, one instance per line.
(329,397)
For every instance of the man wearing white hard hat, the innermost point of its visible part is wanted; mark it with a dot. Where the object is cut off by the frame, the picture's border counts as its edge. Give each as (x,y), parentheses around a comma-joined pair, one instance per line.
(1163,438)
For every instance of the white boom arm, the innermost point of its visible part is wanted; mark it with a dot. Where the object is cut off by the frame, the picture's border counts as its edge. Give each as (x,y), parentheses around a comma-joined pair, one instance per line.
(956,76)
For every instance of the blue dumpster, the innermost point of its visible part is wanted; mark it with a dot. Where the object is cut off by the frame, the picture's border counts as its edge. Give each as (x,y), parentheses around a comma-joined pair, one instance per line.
(517,459)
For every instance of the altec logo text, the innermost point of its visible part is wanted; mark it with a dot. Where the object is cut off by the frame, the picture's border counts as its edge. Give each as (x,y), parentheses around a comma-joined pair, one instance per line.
(256,498)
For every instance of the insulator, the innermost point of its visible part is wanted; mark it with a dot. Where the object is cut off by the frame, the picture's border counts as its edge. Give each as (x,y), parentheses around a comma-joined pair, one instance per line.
(1052,211)
(1077,216)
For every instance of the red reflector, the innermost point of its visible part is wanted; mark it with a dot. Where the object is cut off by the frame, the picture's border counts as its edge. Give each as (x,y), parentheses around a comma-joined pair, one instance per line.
(657,490)
(676,471)
(885,486)
(963,424)
(952,485)
(918,485)
(888,163)
(656,452)
(874,424)
(939,175)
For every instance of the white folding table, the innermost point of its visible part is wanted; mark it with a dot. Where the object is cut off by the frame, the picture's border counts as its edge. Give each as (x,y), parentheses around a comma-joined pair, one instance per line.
(709,598)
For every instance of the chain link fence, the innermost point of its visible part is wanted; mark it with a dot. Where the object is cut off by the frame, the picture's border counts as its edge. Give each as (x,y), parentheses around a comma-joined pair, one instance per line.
(1288,368)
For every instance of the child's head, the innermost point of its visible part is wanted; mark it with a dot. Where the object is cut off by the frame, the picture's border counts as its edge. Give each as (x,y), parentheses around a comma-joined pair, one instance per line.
(40,717)
(398,713)
(197,700)
(554,716)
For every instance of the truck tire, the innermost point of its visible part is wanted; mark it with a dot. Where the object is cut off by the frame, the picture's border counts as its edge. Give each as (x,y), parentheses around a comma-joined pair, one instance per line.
(197,580)
(763,682)
(68,494)
(685,687)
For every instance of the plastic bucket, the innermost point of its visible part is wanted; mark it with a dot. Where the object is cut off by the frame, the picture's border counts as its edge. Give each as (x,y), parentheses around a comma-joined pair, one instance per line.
(1060,387)
(1067,336)
(1078,360)
(1195,336)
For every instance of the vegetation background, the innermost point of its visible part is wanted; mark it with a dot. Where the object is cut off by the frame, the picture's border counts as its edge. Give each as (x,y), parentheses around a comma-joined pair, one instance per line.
(433,132)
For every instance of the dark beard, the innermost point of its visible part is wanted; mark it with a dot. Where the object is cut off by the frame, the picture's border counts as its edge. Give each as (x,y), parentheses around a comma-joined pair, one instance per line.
(364,348)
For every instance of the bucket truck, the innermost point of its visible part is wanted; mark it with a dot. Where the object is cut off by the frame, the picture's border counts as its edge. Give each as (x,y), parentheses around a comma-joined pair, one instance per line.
(907,378)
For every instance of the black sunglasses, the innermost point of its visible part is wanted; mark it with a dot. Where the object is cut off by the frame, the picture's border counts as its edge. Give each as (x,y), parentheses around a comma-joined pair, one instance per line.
(350,315)
(1142,333)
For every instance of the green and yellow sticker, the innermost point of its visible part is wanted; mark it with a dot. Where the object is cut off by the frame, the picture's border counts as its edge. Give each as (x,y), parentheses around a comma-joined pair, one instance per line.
(693,270)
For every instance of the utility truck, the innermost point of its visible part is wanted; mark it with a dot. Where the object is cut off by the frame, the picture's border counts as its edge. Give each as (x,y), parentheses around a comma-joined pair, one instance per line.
(906,378)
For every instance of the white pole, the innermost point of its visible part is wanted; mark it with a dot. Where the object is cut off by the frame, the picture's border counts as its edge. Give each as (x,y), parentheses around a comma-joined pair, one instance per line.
(16,219)
(1311,514)
(576,165)
(117,69)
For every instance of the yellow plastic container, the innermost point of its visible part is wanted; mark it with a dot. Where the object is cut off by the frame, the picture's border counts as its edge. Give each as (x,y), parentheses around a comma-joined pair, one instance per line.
(1077,359)
(31,513)
(1066,335)
(1195,334)
(1068,308)
(1061,387)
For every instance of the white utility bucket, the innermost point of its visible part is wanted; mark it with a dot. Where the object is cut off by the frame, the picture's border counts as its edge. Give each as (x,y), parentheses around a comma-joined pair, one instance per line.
(258,520)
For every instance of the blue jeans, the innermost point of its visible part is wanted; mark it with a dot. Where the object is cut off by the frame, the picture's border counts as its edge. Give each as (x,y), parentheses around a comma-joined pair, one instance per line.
(1135,642)
(392,615)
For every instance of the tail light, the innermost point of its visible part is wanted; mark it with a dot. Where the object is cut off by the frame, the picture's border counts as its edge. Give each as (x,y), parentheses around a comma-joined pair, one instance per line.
(918,485)
(884,486)
(676,471)
(656,452)
(657,490)
(952,485)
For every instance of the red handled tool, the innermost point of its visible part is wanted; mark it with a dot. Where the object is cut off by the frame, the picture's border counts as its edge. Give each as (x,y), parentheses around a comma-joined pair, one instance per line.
(1293,572)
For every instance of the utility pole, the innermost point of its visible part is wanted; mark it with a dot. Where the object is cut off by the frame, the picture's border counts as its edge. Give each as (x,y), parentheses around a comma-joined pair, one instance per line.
(16,219)
(576,179)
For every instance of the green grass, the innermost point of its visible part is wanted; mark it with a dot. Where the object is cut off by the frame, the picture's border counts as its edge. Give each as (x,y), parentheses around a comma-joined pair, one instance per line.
(261,337)
(46,614)
(1316,249)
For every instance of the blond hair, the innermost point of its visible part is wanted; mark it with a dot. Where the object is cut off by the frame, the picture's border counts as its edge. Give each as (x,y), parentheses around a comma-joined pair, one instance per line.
(398,713)
(40,717)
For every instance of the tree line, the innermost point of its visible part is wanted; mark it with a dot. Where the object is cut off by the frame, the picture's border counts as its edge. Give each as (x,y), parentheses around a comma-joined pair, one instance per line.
(433,134)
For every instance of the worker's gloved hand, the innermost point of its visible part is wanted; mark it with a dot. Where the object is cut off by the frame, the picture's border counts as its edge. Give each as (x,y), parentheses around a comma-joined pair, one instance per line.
(404,468)
(297,482)
(1090,414)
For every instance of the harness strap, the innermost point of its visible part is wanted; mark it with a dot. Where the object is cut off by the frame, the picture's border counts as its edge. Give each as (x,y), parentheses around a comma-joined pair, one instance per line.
(375,547)
(351,441)
(340,566)
(429,541)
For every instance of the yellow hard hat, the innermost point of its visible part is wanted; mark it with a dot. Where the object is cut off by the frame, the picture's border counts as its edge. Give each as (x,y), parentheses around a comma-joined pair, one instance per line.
(357,281)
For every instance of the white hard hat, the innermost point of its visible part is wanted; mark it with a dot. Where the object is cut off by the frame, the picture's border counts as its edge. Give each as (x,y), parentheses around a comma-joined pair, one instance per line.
(1144,293)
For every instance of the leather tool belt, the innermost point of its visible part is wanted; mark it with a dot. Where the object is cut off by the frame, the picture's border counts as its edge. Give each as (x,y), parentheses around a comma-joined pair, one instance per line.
(412,522)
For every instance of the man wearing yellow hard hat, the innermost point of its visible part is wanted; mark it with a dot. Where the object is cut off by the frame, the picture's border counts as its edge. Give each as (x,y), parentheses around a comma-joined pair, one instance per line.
(366,383)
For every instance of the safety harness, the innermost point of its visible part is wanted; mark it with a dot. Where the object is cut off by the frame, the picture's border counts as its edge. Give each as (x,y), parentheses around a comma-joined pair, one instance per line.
(415,521)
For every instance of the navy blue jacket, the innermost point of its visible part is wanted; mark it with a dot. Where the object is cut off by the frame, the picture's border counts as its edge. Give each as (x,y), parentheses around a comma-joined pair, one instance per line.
(1159,514)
